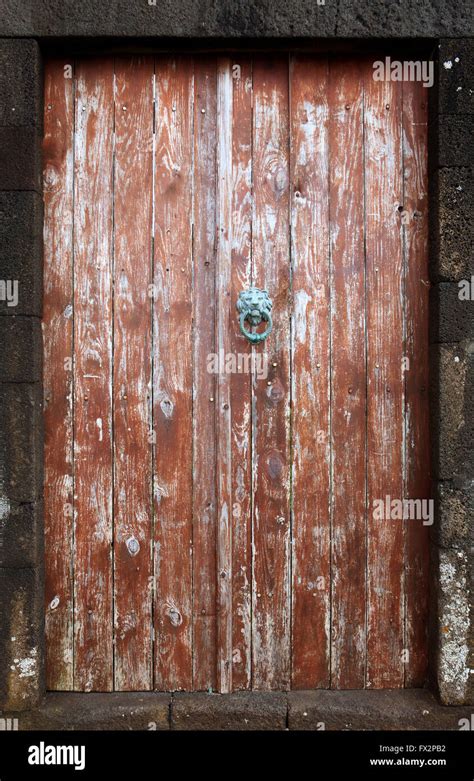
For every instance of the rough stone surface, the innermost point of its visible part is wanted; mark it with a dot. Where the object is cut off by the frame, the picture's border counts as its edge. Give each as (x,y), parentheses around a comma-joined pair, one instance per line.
(20,82)
(21,236)
(412,709)
(92,711)
(456,76)
(452,603)
(240,711)
(21,638)
(21,534)
(21,353)
(452,315)
(403,18)
(452,528)
(455,140)
(454,599)
(217,18)
(452,373)
(21,448)
(452,237)
(306,710)
(20,159)
(452,370)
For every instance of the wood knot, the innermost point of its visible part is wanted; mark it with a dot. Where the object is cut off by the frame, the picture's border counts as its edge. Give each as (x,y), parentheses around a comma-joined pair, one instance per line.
(281,180)
(175,617)
(133,546)
(276,391)
(275,465)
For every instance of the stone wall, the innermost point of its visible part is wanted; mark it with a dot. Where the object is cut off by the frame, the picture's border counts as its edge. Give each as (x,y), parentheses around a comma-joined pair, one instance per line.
(452,368)
(21,441)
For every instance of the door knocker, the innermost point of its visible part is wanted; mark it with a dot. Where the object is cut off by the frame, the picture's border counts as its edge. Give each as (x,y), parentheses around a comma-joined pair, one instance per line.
(254,306)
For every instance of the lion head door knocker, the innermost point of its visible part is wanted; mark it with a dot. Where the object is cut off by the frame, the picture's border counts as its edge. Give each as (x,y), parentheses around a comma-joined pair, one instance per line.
(254,306)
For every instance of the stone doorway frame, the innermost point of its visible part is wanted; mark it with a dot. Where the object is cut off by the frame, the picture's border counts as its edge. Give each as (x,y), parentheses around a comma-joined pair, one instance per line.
(24,40)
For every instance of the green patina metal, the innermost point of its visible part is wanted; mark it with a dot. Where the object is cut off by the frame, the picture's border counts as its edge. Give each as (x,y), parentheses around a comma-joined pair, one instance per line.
(254,306)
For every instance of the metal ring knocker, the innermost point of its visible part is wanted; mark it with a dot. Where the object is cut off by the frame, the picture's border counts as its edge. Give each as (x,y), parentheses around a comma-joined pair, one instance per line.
(254,306)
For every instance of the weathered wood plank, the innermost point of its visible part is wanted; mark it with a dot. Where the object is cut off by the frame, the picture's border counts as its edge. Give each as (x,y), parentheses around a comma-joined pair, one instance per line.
(173,373)
(58,372)
(223,384)
(93,629)
(241,381)
(417,442)
(271,466)
(385,331)
(310,373)
(348,376)
(133,179)
(204,385)
(243,156)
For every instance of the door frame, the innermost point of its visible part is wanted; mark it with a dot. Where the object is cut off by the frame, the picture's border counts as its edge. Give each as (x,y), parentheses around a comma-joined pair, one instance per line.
(22,391)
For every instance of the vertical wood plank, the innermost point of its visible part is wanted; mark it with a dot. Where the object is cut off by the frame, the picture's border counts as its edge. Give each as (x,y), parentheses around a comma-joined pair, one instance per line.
(204,388)
(348,376)
(132,372)
(173,373)
(241,381)
(310,373)
(222,503)
(385,330)
(93,210)
(223,344)
(58,375)
(417,443)
(271,259)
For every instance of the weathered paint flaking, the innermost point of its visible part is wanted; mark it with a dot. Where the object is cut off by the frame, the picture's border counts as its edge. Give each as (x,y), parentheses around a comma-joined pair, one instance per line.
(216,531)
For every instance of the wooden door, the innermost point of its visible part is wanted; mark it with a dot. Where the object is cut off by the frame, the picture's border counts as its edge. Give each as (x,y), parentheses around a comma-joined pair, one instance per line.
(210,520)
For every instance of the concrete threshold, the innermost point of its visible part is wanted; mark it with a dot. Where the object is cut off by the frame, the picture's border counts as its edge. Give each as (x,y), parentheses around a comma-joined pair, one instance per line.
(410,709)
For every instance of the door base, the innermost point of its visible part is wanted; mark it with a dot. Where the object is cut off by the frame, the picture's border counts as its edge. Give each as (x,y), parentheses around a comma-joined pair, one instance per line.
(409,709)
